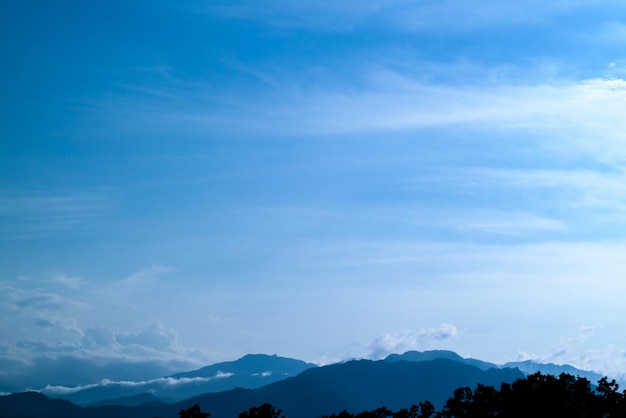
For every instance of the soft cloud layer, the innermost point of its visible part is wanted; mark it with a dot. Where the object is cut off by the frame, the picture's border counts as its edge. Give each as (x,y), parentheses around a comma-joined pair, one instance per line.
(158,383)
(570,120)
(407,15)
(210,180)
(99,354)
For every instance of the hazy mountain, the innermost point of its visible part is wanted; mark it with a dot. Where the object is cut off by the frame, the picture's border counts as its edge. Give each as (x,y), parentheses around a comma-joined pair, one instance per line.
(70,371)
(140,399)
(354,385)
(37,405)
(251,371)
(357,385)
(300,389)
(437,354)
(527,367)
(252,365)
(530,367)
(33,404)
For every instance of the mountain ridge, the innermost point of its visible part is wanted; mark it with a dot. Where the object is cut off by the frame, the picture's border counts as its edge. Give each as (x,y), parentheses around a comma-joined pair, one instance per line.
(355,385)
(396,381)
(250,371)
(258,370)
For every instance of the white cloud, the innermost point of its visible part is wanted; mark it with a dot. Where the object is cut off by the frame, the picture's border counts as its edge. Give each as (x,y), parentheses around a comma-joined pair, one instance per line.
(572,118)
(99,337)
(584,352)
(71,282)
(412,340)
(141,278)
(37,363)
(57,390)
(155,336)
(59,332)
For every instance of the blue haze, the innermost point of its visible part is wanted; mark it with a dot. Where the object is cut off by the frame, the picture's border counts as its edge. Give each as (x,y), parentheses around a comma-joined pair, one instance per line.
(186,183)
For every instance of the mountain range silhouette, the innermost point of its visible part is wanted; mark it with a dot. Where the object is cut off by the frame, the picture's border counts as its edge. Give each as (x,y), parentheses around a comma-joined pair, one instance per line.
(300,389)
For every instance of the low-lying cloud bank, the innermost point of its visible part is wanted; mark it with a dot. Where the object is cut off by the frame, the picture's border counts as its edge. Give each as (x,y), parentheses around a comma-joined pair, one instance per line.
(148,385)
(94,356)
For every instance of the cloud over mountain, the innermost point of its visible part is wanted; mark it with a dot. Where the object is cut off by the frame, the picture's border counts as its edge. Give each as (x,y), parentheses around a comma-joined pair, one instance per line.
(95,354)
(213,179)
(414,340)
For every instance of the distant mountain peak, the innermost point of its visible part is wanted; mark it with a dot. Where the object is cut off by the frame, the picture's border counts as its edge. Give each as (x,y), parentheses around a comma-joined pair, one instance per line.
(250,371)
(254,371)
(414,355)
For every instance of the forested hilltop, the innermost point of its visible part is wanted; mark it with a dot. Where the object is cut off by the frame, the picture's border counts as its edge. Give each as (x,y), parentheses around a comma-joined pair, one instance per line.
(536,396)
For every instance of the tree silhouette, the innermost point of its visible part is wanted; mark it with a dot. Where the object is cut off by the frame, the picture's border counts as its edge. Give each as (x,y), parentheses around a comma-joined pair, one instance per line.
(193,412)
(382,412)
(539,396)
(342,414)
(264,411)
(423,410)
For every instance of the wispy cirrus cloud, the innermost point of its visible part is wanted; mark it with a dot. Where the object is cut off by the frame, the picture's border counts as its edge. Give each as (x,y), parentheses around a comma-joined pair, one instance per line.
(138,280)
(518,224)
(32,214)
(83,355)
(411,15)
(567,117)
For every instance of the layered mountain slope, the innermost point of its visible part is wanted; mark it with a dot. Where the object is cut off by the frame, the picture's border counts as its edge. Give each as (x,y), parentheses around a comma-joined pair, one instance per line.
(33,404)
(437,354)
(530,367)
(300,389)
(354,385)
(251,371)
(527,367)
(357,386)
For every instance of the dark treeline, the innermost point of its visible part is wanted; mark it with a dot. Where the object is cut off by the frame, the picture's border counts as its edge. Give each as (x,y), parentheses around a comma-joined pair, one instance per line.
(538,395)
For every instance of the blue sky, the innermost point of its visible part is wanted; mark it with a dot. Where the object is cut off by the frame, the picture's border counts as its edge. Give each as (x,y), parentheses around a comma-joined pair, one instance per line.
(182,184)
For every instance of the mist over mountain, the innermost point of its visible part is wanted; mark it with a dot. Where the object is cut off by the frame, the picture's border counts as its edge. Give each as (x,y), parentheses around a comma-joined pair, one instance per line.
(255,371)
(530,367)
(355,385)
(527,367)
(250,371)
(71,371)
(360,385)
(254,365)
(183,182)
(300,389)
